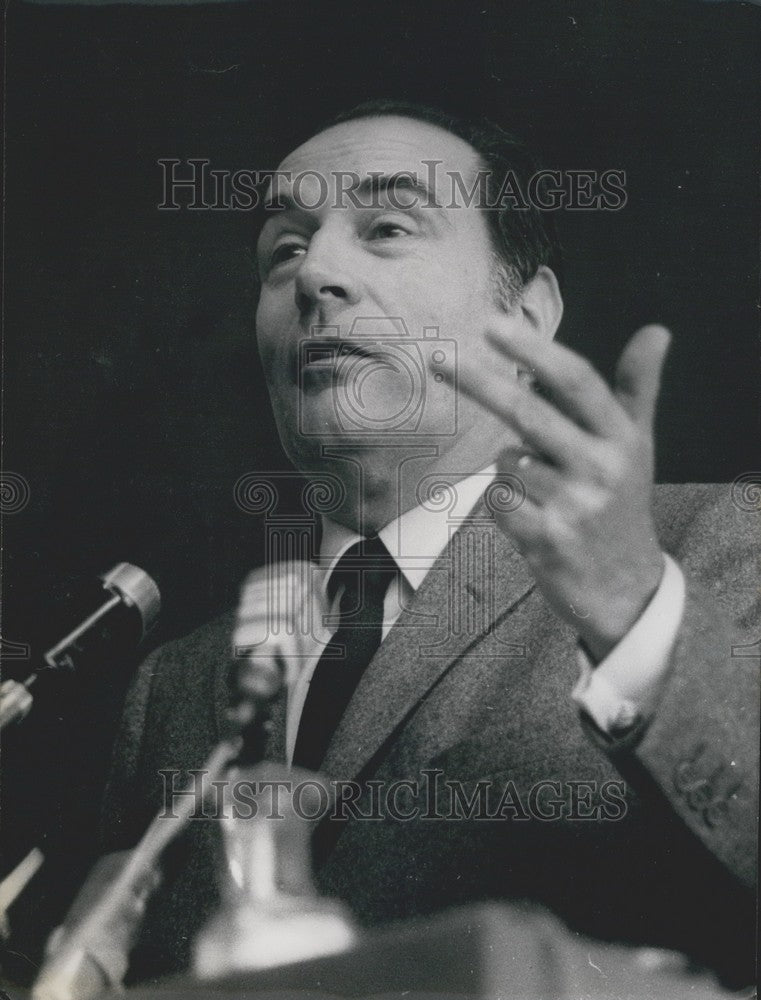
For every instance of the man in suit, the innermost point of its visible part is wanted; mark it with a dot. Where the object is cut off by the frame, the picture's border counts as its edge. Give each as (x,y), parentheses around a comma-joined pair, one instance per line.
(555,637)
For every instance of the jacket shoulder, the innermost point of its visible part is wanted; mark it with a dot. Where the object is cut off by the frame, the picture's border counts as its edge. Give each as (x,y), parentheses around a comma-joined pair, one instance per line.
(186,671)
(206,643)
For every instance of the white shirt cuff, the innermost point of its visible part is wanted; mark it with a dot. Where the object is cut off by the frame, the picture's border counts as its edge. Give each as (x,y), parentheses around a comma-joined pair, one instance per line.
(623,689)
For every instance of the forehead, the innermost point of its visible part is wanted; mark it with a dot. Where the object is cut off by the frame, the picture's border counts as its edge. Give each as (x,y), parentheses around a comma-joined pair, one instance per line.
(388,144)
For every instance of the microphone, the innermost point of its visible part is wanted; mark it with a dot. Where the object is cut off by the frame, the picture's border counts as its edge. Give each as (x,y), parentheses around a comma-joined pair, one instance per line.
(281,611)
(280,620)
(126,612)
(271,913)
(131,609)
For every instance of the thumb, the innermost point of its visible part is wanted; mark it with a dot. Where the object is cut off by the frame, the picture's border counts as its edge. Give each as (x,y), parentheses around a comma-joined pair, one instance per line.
(638,375)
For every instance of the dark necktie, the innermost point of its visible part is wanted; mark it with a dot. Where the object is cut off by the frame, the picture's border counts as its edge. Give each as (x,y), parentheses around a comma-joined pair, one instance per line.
(365,570)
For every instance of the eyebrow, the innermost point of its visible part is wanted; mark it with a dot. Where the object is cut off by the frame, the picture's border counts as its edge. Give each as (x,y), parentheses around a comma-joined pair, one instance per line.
(373,184)
(403,181)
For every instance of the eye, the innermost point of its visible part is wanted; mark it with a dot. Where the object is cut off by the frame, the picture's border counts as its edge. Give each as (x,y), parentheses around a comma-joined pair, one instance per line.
(286,251)
(388,230)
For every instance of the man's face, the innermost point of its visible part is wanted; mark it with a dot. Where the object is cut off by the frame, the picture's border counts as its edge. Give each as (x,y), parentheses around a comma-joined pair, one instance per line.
(360,270)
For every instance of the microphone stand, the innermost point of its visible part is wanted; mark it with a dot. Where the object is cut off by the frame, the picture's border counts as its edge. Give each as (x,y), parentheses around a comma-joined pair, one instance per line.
(127,590)
(92,957)
(128,586)
(271,912)
(14,884)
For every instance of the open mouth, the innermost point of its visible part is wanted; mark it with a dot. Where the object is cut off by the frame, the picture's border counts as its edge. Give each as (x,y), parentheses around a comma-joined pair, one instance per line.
(320,358)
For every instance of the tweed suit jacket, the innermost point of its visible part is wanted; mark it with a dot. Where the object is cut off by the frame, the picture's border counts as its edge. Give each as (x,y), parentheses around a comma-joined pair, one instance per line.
(647,839)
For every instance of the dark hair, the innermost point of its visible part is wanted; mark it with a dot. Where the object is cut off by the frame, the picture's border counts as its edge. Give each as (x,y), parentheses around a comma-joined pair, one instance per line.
(524,238)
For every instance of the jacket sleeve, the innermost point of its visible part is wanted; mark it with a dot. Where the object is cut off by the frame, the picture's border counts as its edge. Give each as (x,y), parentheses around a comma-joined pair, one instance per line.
(701,747)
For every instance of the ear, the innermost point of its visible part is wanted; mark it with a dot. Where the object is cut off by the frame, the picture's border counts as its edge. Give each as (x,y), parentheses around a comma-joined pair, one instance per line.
(541,303)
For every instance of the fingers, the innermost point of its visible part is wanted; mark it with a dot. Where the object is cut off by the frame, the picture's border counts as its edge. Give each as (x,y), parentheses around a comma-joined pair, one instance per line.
(541,426)
(638,375)
(522,521)
(577,389)
(539,481)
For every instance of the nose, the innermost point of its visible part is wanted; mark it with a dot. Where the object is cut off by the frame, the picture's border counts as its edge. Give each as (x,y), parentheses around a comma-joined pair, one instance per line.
(322,282)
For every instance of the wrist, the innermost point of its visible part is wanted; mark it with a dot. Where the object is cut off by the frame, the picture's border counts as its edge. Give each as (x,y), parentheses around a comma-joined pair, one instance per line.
(600,633)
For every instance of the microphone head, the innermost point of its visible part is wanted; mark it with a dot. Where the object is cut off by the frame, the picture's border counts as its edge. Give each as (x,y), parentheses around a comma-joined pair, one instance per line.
(280,618)
(137,590)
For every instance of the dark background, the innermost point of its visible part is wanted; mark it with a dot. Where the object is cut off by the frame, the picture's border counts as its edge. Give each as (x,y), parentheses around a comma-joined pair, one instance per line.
(134,400)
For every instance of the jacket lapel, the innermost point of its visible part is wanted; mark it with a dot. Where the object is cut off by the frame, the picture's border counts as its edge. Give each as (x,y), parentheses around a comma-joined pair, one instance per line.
(476,582)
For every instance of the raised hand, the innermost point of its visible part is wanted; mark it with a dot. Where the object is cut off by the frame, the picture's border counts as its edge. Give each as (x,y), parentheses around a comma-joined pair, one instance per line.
(587,461)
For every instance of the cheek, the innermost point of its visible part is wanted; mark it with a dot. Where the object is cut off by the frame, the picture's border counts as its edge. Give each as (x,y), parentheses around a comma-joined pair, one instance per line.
(269,332)
(443,290)
(424,295)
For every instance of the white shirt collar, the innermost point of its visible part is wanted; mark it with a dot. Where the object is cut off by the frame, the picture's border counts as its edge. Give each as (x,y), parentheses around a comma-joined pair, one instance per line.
(417,537)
